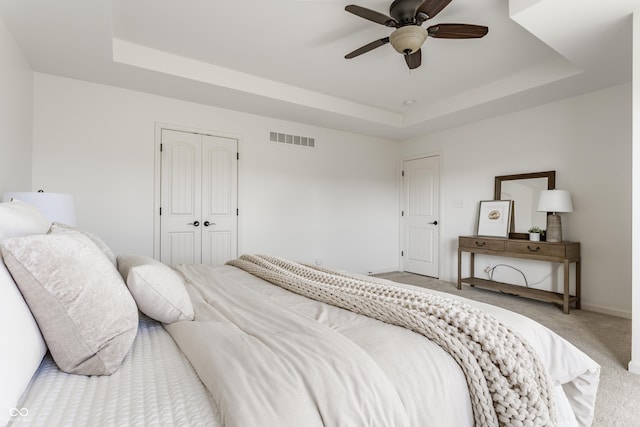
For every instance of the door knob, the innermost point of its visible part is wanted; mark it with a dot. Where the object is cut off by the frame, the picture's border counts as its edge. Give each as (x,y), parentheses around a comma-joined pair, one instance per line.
(434,223)
(207,223)
(194,223)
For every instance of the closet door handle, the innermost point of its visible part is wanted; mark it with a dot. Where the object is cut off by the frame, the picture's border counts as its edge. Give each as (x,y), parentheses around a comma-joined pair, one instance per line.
(207,223)
(194,223)
(434,223)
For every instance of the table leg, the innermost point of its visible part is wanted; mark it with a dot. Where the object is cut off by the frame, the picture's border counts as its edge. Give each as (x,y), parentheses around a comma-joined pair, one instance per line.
(472,265)
(459,269)
(578,280)
(565,303)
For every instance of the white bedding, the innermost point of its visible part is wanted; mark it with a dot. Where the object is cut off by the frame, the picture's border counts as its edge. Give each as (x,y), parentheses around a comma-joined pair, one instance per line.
(244,345)
(248,343)
(156,385)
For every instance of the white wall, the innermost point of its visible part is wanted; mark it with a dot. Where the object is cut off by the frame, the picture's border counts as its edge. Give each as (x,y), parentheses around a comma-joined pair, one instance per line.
(16,112)
(587,141)
(336,204)
(634,364)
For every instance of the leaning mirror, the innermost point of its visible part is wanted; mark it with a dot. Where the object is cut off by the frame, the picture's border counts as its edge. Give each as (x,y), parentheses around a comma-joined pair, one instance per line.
(524,189)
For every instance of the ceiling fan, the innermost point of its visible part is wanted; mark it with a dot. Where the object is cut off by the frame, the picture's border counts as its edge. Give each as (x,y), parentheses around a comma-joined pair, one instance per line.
(407,16)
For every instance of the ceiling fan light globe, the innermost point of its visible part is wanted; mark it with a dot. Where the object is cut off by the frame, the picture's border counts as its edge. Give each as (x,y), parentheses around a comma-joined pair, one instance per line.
(407,40)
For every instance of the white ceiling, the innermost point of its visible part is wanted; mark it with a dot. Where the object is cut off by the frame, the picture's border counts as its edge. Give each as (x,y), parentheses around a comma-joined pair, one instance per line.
(285,58)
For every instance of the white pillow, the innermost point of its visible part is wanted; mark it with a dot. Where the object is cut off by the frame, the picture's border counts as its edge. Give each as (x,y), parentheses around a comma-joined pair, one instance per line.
(21,342)
(158,290)
(20,339)
(58,227)
(83,308)
(18,218)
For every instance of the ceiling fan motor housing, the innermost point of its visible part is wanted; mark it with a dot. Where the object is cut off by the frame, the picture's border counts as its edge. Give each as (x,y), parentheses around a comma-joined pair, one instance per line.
(404,11)
(407,40)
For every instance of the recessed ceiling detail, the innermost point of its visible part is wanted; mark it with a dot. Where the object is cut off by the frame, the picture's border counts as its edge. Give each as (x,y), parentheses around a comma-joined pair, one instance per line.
(536,51)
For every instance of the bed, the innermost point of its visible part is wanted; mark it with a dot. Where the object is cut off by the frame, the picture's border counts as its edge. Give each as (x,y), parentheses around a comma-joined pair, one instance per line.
(259,342)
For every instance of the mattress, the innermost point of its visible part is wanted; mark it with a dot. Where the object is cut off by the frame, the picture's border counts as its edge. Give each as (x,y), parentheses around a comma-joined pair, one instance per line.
(156,385)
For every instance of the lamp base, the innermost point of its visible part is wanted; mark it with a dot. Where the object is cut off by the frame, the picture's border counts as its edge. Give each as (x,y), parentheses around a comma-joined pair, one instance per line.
(554,228)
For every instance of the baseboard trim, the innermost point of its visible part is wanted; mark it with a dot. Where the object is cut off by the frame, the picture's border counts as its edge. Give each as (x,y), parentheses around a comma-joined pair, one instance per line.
(606,310)
(634,367)
(380,271)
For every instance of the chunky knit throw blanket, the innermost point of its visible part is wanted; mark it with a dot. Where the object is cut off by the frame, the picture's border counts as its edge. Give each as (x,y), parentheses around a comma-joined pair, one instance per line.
(507,383)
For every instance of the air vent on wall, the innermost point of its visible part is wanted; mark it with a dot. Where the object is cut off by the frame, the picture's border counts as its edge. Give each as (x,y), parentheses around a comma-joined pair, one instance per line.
(285,138)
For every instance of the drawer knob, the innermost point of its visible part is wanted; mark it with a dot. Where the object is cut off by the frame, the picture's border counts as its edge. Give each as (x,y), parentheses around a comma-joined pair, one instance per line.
(536,249)
(481,244)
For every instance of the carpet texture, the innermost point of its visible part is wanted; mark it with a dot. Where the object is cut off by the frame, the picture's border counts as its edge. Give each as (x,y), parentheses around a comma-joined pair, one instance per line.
(606,339)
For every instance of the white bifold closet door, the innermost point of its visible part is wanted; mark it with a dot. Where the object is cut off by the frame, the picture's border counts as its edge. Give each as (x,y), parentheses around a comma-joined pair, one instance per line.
(198,215)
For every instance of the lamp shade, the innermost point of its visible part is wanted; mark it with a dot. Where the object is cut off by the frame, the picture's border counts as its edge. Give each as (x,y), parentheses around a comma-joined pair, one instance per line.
(555,201)
(56,207)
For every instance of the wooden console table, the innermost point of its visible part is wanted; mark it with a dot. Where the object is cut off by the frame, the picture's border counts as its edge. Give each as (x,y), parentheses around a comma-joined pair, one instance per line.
(564,252)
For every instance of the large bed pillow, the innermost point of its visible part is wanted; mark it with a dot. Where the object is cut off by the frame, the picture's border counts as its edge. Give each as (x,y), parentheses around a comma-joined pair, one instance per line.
(57,227)
(20,339)
(18,218)
(83,308)
(21,342)
(158,290)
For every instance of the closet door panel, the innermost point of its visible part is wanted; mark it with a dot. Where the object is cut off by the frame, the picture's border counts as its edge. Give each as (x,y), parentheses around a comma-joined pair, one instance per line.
(181,188)
(219,199)
(216,247)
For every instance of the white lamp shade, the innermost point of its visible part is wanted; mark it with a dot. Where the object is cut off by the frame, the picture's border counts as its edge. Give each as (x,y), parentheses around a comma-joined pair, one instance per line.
(56,207)
(555,201)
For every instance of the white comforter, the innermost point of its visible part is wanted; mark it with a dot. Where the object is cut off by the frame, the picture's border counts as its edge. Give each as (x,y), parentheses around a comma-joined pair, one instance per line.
(273,358)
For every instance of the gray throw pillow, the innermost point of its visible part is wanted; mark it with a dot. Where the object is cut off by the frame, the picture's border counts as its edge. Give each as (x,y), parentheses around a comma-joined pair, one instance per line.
(58,227)
(86,314)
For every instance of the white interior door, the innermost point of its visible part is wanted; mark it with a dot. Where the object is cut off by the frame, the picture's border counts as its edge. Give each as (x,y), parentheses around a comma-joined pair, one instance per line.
(420,216)
(219,200)
(198,198)
(180,236)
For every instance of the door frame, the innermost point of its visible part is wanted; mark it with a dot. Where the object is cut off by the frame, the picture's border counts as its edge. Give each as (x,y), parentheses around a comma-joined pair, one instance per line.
(437,154)
(157,158)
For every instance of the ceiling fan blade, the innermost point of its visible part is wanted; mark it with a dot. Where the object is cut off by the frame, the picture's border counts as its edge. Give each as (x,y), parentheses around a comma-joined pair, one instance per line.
(367,47)
(371,15)
(414,60)
(457,31)
(432,7)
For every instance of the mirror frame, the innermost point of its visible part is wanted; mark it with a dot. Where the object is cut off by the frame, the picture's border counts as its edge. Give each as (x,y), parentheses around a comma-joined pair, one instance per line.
(551,185)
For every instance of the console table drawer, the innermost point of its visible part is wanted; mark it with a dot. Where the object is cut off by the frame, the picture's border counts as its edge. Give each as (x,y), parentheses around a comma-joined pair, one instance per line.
(482,243)
(537,248)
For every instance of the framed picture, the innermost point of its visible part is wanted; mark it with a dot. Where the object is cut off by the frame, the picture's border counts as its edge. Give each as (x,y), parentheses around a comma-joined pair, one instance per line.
(494,218)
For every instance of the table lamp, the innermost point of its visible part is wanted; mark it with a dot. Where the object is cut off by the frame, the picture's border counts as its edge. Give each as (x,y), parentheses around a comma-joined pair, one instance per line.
(554,201)
(56,207)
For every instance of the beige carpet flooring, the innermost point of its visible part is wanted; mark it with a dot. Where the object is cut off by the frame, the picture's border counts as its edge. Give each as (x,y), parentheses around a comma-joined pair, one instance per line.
(606,339)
